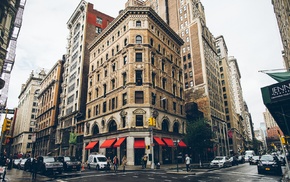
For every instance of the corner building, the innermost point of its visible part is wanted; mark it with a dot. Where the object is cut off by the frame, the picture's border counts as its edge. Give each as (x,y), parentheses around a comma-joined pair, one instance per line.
(135,74)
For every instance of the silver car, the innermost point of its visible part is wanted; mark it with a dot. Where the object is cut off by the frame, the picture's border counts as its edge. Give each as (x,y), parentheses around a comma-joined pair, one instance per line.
(221,161)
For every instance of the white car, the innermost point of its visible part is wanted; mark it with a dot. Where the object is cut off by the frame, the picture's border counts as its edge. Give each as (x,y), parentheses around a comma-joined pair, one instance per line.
(97,162)
(221,161)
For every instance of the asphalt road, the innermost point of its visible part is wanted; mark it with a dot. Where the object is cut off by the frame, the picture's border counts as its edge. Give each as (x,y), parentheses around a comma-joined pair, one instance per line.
(244,172)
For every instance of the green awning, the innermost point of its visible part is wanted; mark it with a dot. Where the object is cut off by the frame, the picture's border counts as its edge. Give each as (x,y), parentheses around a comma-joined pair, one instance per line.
(280,76)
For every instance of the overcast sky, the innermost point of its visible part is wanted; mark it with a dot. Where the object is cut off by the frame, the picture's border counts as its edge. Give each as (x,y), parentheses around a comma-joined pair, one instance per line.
(248,26)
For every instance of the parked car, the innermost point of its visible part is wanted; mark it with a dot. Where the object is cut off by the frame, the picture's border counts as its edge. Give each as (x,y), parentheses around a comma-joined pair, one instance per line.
(269,164)
(282,160)
(249,154)
(241,159)
(70,163)
(254,160)
(16,163)
(234,160)
(221,161)
(49,164)
(97,162)
(22,163)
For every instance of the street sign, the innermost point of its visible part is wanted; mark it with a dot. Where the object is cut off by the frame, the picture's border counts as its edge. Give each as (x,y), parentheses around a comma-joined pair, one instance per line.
(9,111)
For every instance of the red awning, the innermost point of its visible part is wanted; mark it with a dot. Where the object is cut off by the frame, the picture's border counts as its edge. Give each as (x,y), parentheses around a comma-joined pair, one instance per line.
(139,144)
(159,141)
(91,145)
(168,141)
(181,144)
(108,143)
(119,142)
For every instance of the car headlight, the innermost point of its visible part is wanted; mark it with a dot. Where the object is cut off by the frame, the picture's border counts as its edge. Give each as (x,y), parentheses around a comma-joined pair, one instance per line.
(260,164)
(48,164)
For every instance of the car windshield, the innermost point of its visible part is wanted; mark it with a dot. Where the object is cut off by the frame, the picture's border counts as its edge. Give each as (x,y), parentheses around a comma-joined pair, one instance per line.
(23,160)
(102,159)
(49,159)
(218,158)
(267,158)
(70,159)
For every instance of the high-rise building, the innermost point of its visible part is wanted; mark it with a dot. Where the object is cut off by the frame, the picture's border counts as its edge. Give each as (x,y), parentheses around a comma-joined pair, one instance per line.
(202,83)
(24,124)
(135,81)
(47,115)
(84,25)
(282,9)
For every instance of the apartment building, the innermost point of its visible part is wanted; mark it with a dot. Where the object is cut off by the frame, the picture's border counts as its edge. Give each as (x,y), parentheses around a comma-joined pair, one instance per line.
(47,115)
(84,25)
(135,74)
(202,82)
(25,119)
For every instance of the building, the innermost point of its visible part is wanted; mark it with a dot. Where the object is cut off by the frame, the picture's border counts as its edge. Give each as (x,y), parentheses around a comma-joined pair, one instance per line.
(47,115)
(24,124)
(84,25)
(272,128)
(135,75)
(282,9)
(202,82)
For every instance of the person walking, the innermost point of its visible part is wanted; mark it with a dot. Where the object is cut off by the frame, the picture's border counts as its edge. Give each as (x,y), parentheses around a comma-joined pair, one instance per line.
(116,163)
(108,164)
(34,166)
(124,162)
(145,160)
(187,162)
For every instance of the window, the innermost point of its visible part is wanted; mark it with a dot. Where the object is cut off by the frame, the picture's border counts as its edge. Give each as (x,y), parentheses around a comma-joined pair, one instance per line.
(189,65)
(153,80)
(184,58)
(114,67)
(139,80)
(138,57)
(98,30)
(105,90)
(139,97)
(125,99)
(190,74)
(113,83)
(104,107)
(174,106)
(164,83)
(185,76)
(124,28)
(125,60)
(153,101)
(124,79)
(152,59)
(188,56)
(89,113)
(113,103)
(139,120)
(138,23)
(125,42)
(163,66)
(151,42)
(138,39)
(99,20)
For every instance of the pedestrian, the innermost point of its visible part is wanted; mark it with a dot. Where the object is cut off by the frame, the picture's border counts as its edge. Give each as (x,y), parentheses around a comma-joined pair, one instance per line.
(124,162)
(187,162)
(142,162)
(108,163)
(116,163)
(145,160)
(34,166)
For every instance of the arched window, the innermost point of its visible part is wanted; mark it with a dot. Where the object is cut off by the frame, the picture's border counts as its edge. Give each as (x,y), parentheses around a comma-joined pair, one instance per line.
(138,39)
(151,42)
(125,42)
(165,125)
(176,128)
(96,130)
(112,126)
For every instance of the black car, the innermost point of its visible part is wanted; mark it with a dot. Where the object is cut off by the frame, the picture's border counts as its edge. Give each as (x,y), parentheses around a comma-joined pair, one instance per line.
(269,164)
(254,160)
(70,163)
(241,159)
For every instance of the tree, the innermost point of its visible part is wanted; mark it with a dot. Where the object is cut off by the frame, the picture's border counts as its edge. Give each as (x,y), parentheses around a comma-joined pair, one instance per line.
(198,136)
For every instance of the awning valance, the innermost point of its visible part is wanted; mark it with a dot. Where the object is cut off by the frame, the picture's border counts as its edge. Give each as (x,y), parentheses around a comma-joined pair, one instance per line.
(159,141)
(139,144)
(168,141)
(108,143)
(91,145)
(181,144)
(119,142)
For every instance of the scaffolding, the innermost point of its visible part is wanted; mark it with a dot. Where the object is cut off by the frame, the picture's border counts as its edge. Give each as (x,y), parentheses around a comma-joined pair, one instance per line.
(11,53)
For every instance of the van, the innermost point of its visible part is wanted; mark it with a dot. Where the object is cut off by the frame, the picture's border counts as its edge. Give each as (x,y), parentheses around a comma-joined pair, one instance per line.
(249,154)
(97,162)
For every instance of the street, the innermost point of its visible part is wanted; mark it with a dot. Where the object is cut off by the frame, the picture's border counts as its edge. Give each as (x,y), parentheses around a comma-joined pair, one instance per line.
(242,172)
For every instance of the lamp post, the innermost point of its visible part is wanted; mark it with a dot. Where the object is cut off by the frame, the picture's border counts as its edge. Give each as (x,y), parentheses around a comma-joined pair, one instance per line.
(152,123)
(177,157)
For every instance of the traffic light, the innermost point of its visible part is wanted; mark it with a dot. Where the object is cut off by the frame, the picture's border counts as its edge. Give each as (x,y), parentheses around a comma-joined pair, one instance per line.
(147,147)
(150,121)
(153,122)
(283,140)
(6,125)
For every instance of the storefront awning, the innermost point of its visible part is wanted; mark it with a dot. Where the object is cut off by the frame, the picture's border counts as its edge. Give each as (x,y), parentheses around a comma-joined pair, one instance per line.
(139,144)
(168,141)
(91,145)
(119,142)
(181,144)
(108,143)
(159,141)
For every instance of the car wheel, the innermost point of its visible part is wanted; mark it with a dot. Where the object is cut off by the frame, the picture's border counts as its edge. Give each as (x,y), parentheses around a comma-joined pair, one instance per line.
(98,168)
(89,167)
(259,171)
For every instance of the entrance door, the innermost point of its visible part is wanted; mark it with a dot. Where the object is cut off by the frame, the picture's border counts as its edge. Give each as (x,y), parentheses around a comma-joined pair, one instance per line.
(139,153)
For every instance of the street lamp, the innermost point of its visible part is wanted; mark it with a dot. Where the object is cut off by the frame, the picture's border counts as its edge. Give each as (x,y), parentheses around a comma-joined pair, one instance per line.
(152,123)
(177,157)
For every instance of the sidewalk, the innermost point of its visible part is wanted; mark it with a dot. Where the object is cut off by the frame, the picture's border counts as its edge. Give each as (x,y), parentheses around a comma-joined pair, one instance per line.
(16,175)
